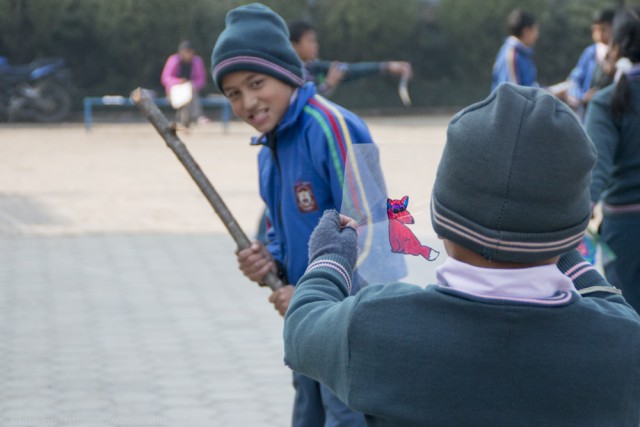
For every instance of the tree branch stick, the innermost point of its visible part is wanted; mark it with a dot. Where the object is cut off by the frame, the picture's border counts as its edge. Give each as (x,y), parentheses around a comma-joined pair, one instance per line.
(168,132)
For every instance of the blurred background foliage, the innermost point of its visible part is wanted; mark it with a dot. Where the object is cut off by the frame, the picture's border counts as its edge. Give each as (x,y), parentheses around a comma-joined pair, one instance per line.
(113,46)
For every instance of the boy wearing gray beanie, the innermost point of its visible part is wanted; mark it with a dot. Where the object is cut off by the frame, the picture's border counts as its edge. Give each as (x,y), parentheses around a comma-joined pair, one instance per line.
(519,330)
(304,144)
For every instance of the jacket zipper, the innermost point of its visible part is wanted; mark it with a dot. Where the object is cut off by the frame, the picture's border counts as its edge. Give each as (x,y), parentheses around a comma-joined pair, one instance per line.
(283,242)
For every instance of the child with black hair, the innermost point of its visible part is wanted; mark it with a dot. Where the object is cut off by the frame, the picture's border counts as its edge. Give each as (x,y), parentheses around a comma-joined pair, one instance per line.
(514,63)
(613,123)
(327,75)
(591,73)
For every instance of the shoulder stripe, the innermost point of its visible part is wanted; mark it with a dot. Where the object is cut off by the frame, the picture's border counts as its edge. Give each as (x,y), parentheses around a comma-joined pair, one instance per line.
(355,171)
(337,164)
(577,267)
(332,122)
(607,289)
(512,64)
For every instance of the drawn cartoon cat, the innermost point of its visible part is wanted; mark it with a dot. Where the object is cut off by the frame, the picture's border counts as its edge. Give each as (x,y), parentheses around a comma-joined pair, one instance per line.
(401,237)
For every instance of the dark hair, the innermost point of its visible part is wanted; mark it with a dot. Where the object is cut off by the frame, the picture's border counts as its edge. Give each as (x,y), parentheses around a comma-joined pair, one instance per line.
(518,20)
(604,16)
(184,45)
(297,29)
(626,35)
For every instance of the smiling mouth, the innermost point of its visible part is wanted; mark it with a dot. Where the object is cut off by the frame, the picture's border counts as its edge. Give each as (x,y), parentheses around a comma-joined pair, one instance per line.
(259,115)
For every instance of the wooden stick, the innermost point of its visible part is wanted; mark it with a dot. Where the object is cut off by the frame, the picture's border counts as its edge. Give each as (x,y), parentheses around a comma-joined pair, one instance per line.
(167,131)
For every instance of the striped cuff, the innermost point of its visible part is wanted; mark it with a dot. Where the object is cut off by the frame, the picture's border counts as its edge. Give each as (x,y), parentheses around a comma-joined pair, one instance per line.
(334,264)
(581,272)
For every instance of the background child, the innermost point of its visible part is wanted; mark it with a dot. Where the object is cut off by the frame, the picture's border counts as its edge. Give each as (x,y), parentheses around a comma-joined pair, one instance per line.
(327,75)
(514,63)
(181,67)
(613,125)
(591,73)
(505,338)
(305,140)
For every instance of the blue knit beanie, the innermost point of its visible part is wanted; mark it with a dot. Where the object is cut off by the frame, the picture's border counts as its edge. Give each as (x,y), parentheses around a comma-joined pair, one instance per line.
(256,39)
(513,181)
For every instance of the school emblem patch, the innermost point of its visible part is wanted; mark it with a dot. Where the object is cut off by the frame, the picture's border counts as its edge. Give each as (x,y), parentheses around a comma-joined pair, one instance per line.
(305,198)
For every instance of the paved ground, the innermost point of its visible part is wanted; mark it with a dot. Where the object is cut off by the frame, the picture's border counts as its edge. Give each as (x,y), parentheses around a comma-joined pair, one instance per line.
(120,301)
(131,330)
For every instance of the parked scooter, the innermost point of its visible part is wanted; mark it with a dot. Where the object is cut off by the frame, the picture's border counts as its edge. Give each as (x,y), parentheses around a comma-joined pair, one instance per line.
(39,91)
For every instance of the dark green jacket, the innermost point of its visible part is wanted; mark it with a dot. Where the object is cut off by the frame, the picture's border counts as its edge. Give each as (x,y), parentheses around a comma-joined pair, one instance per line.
(407,356)
(616,176)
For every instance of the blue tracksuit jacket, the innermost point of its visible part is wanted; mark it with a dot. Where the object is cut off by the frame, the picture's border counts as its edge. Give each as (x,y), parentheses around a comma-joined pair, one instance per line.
(514,65)
(582,75)
(301,172)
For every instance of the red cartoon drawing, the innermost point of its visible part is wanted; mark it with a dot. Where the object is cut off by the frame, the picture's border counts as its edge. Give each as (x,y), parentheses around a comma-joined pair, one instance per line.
(402,239)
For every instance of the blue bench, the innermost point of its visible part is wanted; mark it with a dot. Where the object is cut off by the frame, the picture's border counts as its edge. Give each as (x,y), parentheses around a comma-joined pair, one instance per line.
(111,100)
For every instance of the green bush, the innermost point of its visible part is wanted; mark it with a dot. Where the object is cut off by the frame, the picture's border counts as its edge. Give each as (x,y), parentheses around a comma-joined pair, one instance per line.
(113,46)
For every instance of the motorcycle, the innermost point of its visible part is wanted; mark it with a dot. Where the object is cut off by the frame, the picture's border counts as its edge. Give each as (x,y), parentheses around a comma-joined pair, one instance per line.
(39,91)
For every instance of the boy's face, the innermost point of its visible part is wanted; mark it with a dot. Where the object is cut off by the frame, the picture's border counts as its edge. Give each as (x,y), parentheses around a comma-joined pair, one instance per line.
(258,99)
(186,55)
(530,35)
(307,47)
(601,33)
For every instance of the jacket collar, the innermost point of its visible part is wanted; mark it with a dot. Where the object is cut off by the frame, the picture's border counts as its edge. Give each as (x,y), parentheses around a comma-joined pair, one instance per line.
(515,42)
(534,282)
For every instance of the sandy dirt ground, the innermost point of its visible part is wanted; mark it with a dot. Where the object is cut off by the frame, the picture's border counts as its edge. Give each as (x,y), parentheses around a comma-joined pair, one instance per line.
(58,180)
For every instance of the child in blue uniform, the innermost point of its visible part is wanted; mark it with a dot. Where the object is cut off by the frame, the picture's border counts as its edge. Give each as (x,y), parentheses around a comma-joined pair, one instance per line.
(591,72)
(519,329)
(613,124)
(514,63)
(305,143)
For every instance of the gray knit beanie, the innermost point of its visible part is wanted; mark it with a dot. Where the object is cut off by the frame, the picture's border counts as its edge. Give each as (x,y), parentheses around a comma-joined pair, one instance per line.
(513,181)
(256,39)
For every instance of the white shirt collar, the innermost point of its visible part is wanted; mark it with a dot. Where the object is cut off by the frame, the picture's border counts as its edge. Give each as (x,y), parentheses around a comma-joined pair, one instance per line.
(517,42)
(601,52)
(534,282)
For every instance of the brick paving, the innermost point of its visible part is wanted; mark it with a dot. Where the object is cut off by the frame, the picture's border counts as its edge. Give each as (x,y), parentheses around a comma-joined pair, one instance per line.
(128,330)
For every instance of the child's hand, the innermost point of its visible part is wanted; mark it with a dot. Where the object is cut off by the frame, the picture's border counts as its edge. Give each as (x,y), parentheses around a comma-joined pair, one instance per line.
(256,261)
(400,68)
(335,234)
(334,75)
(281,298)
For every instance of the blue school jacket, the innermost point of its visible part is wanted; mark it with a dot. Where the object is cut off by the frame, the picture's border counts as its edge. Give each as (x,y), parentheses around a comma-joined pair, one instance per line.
(582,75)
(302,173)
(514,65)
